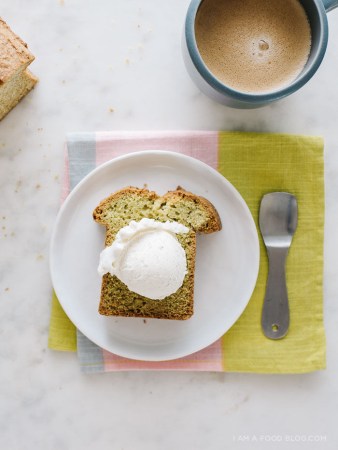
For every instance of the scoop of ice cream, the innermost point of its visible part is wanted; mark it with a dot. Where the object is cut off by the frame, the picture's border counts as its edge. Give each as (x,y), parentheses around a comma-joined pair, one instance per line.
(147,257)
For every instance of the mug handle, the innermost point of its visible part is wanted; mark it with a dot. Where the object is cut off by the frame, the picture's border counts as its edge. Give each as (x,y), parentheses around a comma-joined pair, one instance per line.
(330,4)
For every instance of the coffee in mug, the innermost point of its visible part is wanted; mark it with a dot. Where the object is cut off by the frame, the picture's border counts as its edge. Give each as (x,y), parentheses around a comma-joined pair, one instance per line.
(253,46)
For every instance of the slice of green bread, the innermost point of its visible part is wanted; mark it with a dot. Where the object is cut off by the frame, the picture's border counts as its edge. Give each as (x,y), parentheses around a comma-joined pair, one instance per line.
(131,203)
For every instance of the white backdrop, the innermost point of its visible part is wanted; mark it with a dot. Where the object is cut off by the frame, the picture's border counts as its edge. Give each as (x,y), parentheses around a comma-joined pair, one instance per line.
(109,65)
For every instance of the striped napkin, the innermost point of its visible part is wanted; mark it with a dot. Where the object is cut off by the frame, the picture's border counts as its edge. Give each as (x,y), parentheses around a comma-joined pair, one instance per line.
(255,164)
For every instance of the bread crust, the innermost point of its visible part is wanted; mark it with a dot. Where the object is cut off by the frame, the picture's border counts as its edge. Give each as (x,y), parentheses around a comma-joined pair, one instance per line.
(14,54)
(178,194)
(215,222)
(105,203)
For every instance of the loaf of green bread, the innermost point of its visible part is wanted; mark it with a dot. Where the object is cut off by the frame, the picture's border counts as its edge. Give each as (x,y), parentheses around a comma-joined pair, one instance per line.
(15,79)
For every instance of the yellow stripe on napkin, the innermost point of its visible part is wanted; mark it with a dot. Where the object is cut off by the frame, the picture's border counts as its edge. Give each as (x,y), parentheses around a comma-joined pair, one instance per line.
(62,332)
(257,164)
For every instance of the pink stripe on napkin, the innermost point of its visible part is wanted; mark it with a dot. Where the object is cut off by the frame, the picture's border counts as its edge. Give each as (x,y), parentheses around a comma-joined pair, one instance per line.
(210,359)
(202,145)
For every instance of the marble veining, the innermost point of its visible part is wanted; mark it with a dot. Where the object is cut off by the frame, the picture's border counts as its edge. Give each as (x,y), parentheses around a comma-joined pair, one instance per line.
(114,65)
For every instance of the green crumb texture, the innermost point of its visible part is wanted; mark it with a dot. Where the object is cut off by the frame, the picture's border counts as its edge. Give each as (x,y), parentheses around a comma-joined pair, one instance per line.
(131,203)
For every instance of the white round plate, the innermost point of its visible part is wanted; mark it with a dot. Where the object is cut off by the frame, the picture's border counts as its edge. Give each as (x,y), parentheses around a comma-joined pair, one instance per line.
(227,262)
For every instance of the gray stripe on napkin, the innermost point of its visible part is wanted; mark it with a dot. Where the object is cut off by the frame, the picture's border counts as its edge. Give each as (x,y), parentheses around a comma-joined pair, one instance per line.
(89,354)
(81,155)
(81,148)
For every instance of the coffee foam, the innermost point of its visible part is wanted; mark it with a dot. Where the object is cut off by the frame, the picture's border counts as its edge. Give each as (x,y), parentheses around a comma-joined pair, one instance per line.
(253,46)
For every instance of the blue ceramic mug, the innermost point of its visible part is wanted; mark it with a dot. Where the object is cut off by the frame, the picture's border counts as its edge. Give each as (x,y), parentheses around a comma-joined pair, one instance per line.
(214,88)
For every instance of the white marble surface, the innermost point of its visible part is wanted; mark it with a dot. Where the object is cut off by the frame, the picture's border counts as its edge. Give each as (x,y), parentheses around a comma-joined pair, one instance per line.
(113,65)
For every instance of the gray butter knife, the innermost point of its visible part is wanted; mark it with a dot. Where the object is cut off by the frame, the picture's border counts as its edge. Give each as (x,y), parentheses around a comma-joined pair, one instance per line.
(278,217)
